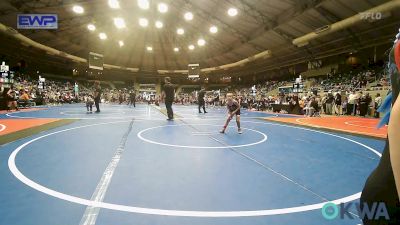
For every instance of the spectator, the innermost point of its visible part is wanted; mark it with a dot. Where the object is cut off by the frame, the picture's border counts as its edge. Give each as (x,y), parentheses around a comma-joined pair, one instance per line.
(312,107)
(368,102)
(24,99)
(323,102)
(344,105)
(329,103)
(377,104)
(337,104)
(352,103)
(11,98)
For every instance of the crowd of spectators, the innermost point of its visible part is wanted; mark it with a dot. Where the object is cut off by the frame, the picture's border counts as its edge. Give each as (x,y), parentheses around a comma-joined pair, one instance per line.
(25,92)
(337,94)
(341,94)
(349,81)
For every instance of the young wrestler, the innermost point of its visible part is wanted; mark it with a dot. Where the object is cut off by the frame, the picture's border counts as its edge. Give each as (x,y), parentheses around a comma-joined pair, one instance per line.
(89,103)
(233,109)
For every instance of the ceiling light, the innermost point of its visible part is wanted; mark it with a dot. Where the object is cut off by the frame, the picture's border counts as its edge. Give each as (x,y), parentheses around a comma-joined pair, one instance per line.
(201,42)
(176,49)
(143,22)
(114,4)
(159,24)
(91,27)
(180,31)
(149,48)
(162,7)
(191,47)
(103,36)
(121,43)
(232,12)
(143,4)
(213,29)
(78,9)
(119,23)
(188,16)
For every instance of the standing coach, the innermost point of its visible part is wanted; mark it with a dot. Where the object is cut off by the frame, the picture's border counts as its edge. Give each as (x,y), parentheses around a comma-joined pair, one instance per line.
(169,95)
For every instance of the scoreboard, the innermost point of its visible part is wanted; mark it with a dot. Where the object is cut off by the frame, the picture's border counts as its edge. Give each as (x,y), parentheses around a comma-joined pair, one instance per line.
(298,85)
(193,71)
(95,61)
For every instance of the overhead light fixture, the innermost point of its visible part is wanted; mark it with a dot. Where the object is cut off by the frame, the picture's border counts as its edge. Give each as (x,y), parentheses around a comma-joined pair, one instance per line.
(213,29)
(114,4)
(162,7)
(232,12)
(180,31)
(191,47)
(143,4)
(78,9)
(149,48)
(188,16)
(103,36)
(143,22)
(121,43)
(159,24)
(176,49)
(201,42)
(119,23)
(91,27)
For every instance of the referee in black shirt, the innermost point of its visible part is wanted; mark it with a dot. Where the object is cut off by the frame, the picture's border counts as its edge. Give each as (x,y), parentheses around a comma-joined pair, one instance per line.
(97,96)
(169,94)
(200,100)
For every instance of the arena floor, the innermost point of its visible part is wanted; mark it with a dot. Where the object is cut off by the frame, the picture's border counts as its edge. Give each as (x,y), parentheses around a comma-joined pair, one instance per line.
(131,166)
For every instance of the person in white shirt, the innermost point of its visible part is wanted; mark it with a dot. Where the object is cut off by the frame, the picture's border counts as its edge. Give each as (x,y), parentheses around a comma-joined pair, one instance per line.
(377,104)
(351,105)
